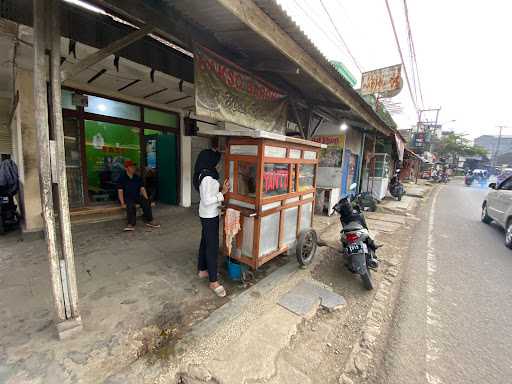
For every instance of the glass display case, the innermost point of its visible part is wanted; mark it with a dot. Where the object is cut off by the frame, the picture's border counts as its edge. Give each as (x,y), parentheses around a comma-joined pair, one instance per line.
(273,186)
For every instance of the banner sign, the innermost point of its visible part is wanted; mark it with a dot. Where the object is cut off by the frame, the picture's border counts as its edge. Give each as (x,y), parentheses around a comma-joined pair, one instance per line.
(226,92)
(383,80)
(331,156)
(400,145)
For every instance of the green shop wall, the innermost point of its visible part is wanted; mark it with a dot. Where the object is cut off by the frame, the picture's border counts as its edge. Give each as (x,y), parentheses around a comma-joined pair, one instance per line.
(107,146)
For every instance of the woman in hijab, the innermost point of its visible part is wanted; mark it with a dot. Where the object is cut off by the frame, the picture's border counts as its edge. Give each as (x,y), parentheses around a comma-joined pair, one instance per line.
(206,181)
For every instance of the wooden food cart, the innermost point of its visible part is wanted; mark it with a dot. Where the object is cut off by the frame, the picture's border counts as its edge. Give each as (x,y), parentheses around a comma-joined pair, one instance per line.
(273,186)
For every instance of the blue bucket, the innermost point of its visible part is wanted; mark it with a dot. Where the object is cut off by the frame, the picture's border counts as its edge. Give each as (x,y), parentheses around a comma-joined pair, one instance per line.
(235,269)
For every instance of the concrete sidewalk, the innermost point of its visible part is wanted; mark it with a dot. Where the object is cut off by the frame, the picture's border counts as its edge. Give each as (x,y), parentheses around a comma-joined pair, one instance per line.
(253,339)
(414,192)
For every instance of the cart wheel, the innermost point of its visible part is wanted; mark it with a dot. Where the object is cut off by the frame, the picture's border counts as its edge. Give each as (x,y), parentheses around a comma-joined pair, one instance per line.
(306,246)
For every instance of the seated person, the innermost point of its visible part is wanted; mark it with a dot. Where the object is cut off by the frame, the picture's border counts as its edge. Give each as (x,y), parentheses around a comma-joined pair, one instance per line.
(131,191)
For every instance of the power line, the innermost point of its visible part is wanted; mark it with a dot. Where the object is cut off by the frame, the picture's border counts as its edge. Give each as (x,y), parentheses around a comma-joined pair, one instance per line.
(401,55)
(341,37)
(308,13)
(414,61)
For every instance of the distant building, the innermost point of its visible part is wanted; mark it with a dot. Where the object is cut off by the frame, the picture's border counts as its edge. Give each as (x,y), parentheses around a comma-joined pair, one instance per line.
(490,143)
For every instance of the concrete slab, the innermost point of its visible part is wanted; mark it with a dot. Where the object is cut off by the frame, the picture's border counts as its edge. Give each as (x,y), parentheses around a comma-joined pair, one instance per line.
(391,205)
(387,217)
(382,226)
(305,297)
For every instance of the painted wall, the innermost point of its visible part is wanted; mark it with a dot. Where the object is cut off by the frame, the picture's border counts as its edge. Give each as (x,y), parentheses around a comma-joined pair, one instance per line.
(5,133)
(28,160)
(329,177)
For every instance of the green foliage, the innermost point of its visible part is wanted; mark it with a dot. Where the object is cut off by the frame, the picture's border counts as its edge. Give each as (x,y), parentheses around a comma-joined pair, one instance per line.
(457,145)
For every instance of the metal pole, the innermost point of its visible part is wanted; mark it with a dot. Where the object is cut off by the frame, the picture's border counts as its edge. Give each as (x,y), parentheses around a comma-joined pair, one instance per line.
(360,165)
(496,152)
(58,135)
(43,144)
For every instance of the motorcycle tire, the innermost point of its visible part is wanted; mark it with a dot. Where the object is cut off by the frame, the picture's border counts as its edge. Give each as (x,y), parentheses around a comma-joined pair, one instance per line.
(367,280)
(399,198)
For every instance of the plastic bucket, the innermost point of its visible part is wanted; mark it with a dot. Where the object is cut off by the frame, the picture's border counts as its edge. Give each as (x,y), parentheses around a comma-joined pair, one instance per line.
(235,269)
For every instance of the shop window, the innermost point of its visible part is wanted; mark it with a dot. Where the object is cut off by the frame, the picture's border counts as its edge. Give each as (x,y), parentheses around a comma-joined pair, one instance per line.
(72,146)
(166,119)
(246,178)
(306,176)
(107,146)
(67,99)
(275,179)
(112,108)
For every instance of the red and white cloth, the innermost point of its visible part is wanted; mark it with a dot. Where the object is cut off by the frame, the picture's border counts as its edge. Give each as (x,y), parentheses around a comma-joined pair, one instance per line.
(231,226)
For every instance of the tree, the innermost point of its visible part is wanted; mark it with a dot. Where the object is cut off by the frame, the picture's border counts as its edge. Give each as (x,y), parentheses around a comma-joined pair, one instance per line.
(456,145)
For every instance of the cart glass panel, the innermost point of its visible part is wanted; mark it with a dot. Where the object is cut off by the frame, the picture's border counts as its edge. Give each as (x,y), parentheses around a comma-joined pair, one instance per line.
(275,179)
(246,179)
(306,176)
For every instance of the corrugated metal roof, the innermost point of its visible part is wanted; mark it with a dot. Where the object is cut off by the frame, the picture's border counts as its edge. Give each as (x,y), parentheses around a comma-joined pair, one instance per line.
(232,33)
(280,17)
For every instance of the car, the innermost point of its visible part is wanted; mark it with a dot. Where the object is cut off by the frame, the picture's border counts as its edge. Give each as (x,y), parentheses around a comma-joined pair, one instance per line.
(506,172)
(497,207)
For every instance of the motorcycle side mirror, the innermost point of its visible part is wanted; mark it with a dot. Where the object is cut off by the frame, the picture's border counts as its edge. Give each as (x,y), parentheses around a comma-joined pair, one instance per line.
(352,186)
(492,185)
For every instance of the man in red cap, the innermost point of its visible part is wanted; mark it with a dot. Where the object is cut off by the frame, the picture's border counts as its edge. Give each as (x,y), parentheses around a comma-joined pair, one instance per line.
(131,191)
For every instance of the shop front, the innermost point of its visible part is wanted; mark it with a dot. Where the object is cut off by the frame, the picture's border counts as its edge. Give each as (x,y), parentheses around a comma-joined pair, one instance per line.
(101,134)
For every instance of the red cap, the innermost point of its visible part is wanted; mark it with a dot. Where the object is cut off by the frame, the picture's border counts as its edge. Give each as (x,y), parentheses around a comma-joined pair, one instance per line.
(129,163)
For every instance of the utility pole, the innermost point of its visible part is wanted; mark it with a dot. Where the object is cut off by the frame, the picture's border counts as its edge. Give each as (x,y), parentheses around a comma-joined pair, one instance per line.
(425,123)
(497,150)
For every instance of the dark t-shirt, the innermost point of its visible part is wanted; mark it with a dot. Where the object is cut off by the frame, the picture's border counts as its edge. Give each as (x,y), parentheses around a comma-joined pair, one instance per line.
(131,187)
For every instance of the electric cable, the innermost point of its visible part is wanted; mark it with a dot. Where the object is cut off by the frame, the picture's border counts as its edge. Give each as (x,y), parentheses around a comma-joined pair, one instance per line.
(401,55)
(341,37)
(320,27)
(413,51)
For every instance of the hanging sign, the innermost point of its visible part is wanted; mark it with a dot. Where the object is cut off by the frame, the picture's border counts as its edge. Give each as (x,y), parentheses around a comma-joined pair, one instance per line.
(226,92)
(384,81)
(332,155)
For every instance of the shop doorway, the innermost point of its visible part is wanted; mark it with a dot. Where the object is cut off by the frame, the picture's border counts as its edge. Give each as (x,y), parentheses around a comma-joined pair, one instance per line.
(102,135)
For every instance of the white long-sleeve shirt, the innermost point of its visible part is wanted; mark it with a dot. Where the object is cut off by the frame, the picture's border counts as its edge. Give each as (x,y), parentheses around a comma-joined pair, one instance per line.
(211,198)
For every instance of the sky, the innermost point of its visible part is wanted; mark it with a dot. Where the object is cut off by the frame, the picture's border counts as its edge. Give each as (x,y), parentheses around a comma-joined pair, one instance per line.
(463,53)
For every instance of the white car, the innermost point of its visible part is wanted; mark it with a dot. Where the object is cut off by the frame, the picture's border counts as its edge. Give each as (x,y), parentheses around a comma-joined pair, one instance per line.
(497,207)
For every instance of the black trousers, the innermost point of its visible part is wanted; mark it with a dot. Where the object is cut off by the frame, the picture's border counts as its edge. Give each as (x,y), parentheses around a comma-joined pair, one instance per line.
(209,248)
(131,210)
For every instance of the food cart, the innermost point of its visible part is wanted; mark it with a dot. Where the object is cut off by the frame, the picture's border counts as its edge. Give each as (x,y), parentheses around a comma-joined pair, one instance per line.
(273,186)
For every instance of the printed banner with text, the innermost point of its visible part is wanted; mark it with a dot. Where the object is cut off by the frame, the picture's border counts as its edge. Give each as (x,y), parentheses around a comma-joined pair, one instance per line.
(226,92)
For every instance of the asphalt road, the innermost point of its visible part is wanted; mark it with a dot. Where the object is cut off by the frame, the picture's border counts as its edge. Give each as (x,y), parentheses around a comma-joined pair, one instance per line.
(453,322)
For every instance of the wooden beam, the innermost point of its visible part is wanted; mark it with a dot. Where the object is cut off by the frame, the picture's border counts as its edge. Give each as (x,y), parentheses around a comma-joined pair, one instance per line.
(103,53)
(299,121)
(43,141)
(254,17)
(57,127)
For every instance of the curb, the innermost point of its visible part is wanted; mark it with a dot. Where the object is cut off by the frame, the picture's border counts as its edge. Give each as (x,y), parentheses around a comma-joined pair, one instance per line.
(363,354)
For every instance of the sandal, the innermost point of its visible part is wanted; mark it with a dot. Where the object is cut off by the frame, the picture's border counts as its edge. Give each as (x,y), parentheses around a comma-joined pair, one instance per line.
(219,291)
(201,276)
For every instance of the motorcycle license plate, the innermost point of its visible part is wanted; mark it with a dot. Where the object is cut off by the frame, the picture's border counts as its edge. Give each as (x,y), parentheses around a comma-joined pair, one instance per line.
(357,248)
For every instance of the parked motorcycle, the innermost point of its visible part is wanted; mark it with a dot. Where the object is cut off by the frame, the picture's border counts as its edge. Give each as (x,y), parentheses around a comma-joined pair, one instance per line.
(358,247)
(9,217)
(396,188)
(443,178)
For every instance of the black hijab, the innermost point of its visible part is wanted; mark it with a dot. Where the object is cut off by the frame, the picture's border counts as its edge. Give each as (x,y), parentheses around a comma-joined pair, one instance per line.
(205,166)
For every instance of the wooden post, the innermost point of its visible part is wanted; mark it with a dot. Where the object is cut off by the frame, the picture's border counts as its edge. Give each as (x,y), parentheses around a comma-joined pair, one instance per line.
(58,136)
(43,144)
